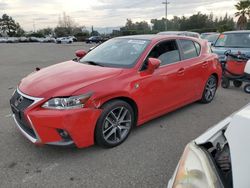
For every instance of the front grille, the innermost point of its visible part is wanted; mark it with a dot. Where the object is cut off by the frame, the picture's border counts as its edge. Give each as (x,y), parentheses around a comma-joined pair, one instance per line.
(18,105)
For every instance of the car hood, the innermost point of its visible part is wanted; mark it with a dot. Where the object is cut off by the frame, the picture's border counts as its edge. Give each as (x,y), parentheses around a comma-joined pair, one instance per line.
(221,50)
(64,79)
(238,137)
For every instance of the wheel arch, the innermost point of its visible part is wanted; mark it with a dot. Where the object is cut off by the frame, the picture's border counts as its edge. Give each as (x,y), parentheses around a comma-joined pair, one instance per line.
(128,100)
(217,77)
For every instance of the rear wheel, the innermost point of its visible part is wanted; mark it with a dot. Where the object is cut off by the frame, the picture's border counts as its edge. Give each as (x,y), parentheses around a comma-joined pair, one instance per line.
(114,124)
(247,88)
(225,83)
(210,90)
(237,83)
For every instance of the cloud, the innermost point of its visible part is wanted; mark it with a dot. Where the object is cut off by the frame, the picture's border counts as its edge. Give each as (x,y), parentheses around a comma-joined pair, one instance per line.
(3,6)
(106,13)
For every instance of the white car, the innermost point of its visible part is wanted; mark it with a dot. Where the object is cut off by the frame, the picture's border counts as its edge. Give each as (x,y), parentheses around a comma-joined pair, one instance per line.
(67,40)
(219,157)
(3,40)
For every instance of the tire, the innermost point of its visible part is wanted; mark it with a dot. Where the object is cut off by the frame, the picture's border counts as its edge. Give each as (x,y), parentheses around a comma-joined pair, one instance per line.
(209,90)
(237,83)
(225,83)
(247,88)
(115,124)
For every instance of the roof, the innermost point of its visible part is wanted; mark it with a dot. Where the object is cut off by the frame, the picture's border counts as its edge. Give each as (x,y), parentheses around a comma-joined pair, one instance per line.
(140,37)
(155,37)
(210,33)
(177,32)
(238,31)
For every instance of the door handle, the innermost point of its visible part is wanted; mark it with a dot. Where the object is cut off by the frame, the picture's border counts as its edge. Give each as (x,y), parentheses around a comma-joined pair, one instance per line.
(205,64)
(181,71)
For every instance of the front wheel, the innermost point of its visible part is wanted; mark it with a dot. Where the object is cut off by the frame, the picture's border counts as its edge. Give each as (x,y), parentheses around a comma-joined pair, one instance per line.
(210,90)
(247,88)
(114,124)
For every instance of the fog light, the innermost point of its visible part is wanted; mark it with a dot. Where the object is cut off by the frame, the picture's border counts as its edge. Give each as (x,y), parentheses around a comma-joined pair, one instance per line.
(64,134)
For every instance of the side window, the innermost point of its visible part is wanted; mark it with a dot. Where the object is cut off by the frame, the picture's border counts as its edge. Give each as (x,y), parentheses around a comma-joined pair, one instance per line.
(167,52)
(188,48)
(198,48)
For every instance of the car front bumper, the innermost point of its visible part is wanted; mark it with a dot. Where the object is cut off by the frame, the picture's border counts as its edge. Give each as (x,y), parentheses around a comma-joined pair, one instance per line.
(43,126)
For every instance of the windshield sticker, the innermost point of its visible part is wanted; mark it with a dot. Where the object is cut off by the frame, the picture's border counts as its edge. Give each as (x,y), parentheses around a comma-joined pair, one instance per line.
(222,36)
(136,41)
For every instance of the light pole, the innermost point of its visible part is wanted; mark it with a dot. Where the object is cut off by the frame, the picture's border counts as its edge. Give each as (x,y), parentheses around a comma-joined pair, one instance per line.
(166,4)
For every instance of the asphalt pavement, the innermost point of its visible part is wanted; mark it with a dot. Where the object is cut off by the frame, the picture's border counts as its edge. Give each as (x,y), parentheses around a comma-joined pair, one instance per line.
(146,159)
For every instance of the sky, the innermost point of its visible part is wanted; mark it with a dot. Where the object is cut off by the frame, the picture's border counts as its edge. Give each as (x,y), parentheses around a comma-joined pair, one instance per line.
(37,14)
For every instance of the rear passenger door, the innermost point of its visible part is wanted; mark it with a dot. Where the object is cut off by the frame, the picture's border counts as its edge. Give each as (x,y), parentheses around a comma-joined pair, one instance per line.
(192,65)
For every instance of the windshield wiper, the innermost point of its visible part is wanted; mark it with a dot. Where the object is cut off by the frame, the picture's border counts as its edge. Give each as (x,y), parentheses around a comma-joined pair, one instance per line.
(93,63)
(237,47)
(232,46)
(218,46)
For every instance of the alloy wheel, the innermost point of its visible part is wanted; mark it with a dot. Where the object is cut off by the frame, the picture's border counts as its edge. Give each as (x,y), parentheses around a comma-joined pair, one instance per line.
(117,125)
(210,88)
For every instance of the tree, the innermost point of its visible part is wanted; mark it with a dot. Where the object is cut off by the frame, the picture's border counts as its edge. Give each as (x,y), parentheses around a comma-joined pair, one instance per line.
(47,31)
(66,21)
(158,25)
(225,23)
(63,31)
(10,27)
(65,26)
(135,28)
(243,8)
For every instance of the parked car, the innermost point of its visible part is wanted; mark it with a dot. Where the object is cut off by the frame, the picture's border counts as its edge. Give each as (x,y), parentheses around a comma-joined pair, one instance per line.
(23,39)
(121,83)
(3,39)
(65,40)
(219,157)
(211,37)
(35,39)
(236,41)
(181,33)
(73,38)
(94,39)
(49,40)
(12,39)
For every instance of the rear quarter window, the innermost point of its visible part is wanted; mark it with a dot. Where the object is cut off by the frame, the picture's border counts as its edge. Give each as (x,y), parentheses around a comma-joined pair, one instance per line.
(189,49)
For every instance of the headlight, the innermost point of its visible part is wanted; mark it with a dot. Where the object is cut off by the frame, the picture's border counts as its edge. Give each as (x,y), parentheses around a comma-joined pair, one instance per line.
(67,103)
(195,169)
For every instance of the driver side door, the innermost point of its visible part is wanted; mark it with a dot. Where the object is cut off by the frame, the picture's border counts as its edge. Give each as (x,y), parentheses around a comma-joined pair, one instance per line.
(161,90)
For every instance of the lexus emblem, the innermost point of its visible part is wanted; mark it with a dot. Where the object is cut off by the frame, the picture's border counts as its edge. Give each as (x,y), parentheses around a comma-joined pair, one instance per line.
(18,101)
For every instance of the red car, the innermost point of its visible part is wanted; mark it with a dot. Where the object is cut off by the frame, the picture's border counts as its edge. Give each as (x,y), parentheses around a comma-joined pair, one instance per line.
(122,83)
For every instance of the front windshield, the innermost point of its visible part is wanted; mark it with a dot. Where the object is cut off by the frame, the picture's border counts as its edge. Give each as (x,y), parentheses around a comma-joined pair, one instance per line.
(118,52)
(234,40)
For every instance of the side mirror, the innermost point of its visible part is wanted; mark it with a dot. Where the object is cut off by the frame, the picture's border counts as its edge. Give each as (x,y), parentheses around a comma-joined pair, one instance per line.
(153,64)
(80,53)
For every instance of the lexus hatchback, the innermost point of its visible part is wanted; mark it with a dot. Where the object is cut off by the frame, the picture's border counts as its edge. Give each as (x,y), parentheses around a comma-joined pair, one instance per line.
(122,83)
